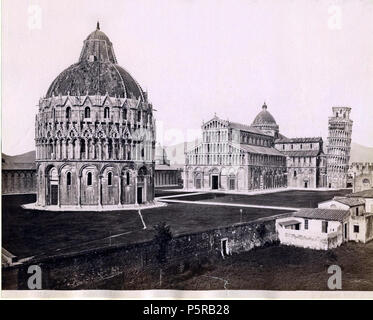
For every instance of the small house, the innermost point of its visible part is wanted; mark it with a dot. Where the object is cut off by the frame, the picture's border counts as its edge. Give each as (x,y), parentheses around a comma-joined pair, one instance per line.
(314,228)
(360,224)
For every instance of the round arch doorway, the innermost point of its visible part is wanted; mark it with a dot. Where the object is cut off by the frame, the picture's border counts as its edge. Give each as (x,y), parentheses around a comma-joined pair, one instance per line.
(52,189)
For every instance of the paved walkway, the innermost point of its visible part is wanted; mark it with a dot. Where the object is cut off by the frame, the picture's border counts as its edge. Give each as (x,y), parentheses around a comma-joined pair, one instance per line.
(164,199)
(252,192)
(154,204)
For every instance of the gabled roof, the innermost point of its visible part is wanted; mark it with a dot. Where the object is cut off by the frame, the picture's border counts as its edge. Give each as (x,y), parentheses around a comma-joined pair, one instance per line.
(244,127)
(193,147)
(322,214)
(362,194)
(351,202)
(260,150)
(302,153)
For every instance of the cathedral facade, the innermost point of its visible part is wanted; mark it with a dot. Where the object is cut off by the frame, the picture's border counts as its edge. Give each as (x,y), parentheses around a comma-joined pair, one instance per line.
(235,156)
(95,135)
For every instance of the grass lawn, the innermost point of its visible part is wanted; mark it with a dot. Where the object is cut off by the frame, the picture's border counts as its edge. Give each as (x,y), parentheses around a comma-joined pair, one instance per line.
(293,198)
(28,233)
(270,268)
(168,191)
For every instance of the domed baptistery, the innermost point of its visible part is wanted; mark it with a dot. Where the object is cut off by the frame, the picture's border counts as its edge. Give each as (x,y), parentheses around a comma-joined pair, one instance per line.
(95,136)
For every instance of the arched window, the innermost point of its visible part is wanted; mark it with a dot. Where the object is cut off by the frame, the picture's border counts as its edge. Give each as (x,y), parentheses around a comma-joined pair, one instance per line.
(82,146)
(109,178)
(68,113)
(142,153)
(106,113)
(127,178)
(139,116)
(125,114)
(68,179)
(89,178)
(295,174)
(110,148)
(87,112)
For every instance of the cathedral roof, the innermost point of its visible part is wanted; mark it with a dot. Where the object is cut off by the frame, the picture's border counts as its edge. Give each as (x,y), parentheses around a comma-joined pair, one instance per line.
(299,140)
(264,117)
(244,127)
(96,72)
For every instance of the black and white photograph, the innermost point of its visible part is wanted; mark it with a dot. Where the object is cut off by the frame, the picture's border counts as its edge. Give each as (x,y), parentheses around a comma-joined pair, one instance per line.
(198,149)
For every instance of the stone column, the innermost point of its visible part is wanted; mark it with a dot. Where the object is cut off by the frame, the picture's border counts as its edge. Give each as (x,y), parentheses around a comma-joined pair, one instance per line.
(54,149)
(79,190)
(99,149)
(86,148)
(119,189)
(120,149)
(145,189)
(99,190)
(135,176)
(63,148)
(106,143)
(59,191)
(71,147)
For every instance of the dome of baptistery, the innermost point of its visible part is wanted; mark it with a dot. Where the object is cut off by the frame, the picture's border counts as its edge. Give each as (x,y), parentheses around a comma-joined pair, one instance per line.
(95,136)
(96,72)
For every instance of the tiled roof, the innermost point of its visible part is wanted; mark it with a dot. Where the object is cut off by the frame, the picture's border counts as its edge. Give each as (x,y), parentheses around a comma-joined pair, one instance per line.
(260,150)
(322,214)
(289,222)
(302,153)
(244,127)
(165,167)
(299,140)
(362,194)
(350,201)
(281,136)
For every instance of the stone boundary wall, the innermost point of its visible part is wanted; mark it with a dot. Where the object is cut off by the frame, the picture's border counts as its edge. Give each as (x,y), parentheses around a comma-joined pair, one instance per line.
(85,268)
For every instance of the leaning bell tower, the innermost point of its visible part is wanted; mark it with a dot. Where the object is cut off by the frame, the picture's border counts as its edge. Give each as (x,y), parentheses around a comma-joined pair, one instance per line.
(339,146)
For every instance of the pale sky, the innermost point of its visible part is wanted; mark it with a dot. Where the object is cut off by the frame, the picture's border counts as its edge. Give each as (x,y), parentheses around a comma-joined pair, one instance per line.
(196,58)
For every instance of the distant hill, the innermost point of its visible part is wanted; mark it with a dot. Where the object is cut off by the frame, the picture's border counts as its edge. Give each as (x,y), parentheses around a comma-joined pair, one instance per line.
(20,161)
(175,154)
(361,153)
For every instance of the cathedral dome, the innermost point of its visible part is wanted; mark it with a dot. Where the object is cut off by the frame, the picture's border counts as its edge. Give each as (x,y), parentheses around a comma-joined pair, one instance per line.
(264,117)
(97,72)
